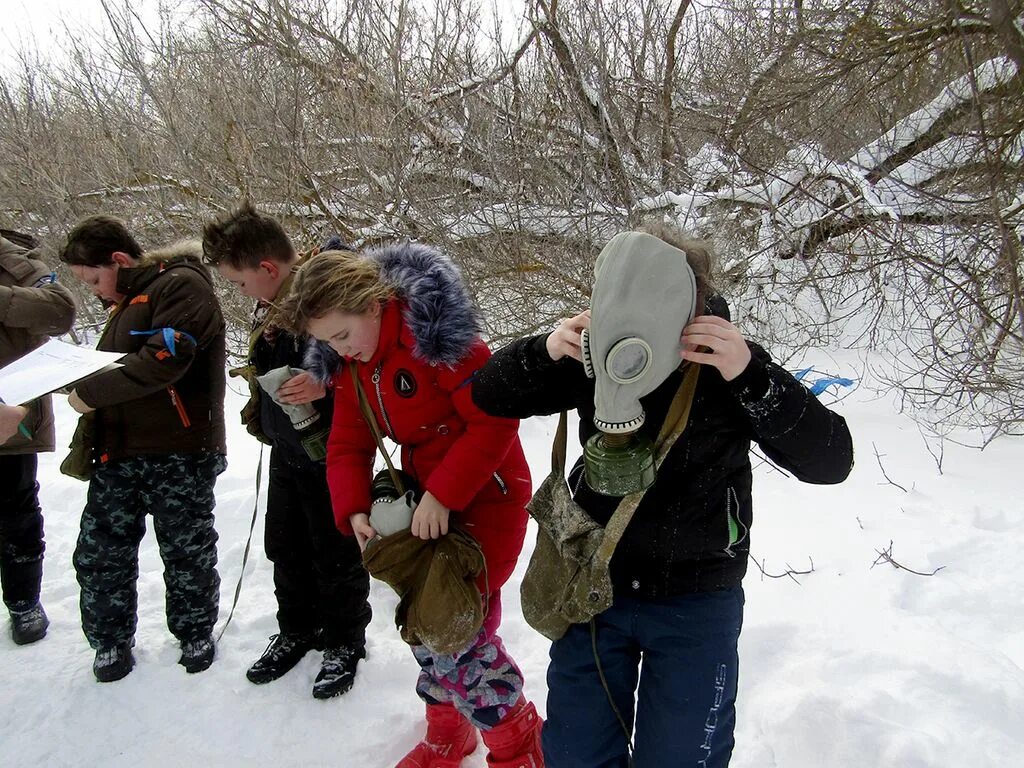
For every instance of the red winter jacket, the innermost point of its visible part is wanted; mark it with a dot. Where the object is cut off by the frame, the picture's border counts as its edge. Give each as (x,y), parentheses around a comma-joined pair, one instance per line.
(471,462)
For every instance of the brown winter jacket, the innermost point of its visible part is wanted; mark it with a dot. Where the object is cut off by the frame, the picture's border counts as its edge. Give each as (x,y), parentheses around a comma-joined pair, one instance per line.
(162,400)
(32,307)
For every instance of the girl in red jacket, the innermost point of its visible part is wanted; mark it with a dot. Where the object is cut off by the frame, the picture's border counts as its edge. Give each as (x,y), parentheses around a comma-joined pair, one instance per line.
(403,315)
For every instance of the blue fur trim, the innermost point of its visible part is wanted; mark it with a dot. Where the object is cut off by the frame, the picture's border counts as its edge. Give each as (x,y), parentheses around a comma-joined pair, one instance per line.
(320,361)
(439,310)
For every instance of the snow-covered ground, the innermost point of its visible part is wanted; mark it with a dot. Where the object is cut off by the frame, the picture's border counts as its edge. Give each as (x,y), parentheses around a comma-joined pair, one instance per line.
(856,665)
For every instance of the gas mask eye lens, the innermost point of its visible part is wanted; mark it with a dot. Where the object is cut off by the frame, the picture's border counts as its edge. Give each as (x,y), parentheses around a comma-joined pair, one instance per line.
(628,360)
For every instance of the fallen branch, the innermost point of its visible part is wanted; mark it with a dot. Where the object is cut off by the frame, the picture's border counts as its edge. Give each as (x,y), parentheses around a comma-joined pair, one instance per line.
(791,572)
(878,456)
(885,556)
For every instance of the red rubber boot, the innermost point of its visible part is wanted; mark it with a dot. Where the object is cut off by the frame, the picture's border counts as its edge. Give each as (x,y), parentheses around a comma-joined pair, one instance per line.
(515,741)
(450,737)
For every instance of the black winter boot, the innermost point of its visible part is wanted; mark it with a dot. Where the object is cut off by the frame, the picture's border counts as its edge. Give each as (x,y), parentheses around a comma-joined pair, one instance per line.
(338,672)
(113,663)
(28,622)
(197,655)
(283,653)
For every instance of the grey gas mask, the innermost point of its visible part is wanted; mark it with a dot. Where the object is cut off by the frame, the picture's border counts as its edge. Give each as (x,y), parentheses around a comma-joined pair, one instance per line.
(644,295)
(304,418)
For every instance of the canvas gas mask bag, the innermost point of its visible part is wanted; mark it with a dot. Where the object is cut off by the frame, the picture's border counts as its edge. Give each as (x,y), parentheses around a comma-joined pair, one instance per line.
(567,581)
(644,294)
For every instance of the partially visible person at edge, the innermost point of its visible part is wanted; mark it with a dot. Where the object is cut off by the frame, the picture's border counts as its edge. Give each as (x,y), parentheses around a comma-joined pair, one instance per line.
(33,306)
(677,571)
(402,314)
(319,579)
(157,444)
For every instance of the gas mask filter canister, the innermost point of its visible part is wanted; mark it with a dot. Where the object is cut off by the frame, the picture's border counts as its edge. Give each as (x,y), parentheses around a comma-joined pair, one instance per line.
(644,295)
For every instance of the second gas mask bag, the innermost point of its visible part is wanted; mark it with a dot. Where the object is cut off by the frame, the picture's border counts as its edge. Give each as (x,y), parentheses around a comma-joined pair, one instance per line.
(644,294)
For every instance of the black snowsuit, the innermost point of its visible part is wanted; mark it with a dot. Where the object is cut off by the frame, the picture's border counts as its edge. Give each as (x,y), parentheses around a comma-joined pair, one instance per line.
(319,578)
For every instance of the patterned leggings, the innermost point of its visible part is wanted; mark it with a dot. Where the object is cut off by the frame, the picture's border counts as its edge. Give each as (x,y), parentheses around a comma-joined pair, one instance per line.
(482,681)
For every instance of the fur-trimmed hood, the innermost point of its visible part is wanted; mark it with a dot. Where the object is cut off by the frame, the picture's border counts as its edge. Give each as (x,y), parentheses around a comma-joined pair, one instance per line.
(436,307)
(185,253)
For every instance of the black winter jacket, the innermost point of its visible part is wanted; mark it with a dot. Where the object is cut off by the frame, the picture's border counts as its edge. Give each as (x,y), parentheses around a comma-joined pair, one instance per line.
(691,532)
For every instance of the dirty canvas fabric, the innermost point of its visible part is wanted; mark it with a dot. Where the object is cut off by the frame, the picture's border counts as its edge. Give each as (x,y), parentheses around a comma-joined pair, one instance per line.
(440,604)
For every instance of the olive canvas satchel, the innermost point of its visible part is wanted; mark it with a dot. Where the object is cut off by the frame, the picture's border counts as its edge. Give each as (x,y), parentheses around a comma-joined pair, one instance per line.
(567,581)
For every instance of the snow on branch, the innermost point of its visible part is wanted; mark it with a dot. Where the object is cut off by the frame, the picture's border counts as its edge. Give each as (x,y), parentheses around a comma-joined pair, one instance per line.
(929,125)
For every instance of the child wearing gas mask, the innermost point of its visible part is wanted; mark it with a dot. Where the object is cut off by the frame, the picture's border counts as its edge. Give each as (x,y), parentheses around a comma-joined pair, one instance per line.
(319,580)
(402,317)
(677,570)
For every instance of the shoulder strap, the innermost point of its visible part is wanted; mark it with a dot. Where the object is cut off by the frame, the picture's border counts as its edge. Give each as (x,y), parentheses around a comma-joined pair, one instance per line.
(675,422)
(364,405)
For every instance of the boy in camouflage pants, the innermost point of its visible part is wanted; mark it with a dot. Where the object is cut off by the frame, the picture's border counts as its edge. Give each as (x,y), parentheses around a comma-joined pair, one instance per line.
(157,442)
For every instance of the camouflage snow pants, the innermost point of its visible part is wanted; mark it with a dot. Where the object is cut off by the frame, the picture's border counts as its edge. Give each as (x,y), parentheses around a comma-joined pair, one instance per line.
(177,490)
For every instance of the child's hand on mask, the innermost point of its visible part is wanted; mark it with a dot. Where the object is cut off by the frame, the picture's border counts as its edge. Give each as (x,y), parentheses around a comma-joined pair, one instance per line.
(565,339)
(430,520)
(361,527)
(300,389)
(723,345)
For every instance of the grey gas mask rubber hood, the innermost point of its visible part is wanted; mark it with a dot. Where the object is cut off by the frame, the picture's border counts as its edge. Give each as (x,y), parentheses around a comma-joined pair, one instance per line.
(644,294)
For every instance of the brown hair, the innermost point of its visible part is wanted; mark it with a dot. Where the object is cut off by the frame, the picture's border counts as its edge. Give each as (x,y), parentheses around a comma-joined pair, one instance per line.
(244,238)
(333,281)
(94,240)
(699,254)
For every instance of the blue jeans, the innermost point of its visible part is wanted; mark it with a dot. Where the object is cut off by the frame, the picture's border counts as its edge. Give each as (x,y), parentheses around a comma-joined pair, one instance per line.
(685,703)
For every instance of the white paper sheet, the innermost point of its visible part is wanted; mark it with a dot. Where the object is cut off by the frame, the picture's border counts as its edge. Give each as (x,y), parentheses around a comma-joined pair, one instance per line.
(51,367)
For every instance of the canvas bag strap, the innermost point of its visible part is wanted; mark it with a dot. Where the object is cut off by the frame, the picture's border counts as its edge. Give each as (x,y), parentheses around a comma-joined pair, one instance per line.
(364,405)
(558,446)
(676,419)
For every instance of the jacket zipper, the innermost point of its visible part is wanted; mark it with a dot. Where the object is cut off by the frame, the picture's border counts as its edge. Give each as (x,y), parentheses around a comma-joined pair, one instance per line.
(179,406)
(501,484)
(380,400)
(733,523)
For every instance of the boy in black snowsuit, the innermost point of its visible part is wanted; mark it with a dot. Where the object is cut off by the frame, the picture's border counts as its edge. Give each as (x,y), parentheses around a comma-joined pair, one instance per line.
(319,580)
